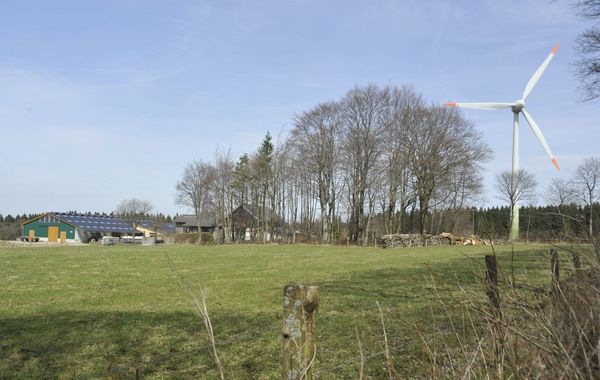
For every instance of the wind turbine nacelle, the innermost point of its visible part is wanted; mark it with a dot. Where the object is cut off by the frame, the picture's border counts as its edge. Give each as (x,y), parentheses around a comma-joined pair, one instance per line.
(518,106)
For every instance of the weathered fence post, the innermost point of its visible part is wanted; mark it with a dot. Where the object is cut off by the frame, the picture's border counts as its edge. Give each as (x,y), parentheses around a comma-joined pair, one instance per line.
(554,266)
(491,282)
(576,261)
(300,305)
(491,290)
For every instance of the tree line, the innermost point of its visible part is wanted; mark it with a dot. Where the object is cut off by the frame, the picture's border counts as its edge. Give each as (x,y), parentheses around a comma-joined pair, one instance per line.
(378,160)
(575,200)
(376,151)
(538,223)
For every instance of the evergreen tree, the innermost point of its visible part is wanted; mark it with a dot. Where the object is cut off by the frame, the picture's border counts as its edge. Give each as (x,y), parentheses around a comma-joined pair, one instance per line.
(264,175)
(241,180)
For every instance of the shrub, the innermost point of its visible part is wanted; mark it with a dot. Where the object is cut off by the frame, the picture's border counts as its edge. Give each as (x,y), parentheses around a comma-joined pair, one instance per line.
(207,238)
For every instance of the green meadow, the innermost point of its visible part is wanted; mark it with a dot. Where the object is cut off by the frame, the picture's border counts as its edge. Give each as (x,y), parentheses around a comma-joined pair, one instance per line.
(107,312)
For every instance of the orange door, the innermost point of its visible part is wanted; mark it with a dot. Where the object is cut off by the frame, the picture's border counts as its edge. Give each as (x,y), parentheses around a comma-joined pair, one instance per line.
(53,234)
(63,236)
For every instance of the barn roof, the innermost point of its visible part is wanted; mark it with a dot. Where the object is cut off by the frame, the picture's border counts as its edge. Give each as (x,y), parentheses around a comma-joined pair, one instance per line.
(94,223)
(104,223)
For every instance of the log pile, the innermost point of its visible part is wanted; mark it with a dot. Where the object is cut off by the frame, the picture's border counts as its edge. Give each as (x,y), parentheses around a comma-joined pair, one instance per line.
(416,240)
(427,240)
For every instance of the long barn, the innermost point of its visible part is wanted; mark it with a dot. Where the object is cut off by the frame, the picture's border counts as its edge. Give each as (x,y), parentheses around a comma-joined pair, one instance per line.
(71,228)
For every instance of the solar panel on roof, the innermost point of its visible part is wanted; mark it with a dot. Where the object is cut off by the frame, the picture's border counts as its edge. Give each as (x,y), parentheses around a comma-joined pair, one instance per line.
(93,223)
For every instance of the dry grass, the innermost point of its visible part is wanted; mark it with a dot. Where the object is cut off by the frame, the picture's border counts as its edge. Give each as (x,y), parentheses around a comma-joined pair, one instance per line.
(550,332)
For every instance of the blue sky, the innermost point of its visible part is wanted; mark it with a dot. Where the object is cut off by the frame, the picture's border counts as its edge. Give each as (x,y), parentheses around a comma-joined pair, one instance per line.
(106,100)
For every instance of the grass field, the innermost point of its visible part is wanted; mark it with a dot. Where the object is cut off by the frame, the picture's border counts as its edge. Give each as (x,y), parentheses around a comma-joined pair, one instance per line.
(101,312)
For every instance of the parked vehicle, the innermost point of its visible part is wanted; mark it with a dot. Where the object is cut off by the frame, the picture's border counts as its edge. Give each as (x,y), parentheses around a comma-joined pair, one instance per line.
(109,240)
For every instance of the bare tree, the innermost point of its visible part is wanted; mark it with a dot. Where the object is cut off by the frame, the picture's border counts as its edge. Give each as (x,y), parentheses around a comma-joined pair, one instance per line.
(282,161)
(223,193)
(361,146)
(315,140)
(194,190)
(515,187)
(560,193)
(134,210)
(441,143)
(401,103)
(587,182)
(588,47)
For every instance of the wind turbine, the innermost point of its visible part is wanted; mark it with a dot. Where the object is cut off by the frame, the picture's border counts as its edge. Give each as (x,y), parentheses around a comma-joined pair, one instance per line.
(518,107)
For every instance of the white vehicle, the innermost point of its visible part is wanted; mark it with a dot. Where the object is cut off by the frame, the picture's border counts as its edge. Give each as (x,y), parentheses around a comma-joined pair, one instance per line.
(109,240)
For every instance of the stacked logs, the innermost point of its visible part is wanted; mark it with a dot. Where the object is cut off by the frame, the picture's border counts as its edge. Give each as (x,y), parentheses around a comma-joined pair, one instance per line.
(427,240)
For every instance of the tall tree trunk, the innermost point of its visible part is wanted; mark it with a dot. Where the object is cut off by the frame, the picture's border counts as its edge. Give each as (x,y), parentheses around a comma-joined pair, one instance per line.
(423,214)
(324,222)
(198,217)
(591,230)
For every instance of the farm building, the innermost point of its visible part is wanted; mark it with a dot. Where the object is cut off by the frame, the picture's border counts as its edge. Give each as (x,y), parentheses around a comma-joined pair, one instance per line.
(150,228)
(246,223)
(187,224)
(70,227)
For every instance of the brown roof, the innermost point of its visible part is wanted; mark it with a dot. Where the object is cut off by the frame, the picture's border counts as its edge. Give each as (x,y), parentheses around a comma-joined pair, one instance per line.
(190,221)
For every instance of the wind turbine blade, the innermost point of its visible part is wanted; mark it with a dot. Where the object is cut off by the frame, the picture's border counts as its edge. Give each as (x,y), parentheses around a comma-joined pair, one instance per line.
(538,133)
(480,106)
(538,73)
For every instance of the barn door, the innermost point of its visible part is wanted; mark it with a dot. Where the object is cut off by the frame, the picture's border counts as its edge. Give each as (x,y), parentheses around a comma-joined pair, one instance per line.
(63,236)
(52,233)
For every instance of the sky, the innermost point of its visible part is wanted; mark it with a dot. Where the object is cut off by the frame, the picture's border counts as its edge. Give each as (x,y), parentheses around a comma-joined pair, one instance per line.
(102,101)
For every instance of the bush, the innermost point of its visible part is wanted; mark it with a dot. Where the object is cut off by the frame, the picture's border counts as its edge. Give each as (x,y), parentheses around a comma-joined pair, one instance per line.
(207,238)
(10,230)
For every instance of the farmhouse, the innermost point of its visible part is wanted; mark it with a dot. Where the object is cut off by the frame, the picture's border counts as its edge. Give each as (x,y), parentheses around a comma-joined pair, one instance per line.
(246,223)
(71,228)
(187,224)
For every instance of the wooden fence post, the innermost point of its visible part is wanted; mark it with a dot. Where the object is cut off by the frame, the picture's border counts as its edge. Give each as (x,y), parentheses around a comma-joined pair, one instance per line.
(554,266)
(576,260)
(300,304)
(491,290)
(491,282)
